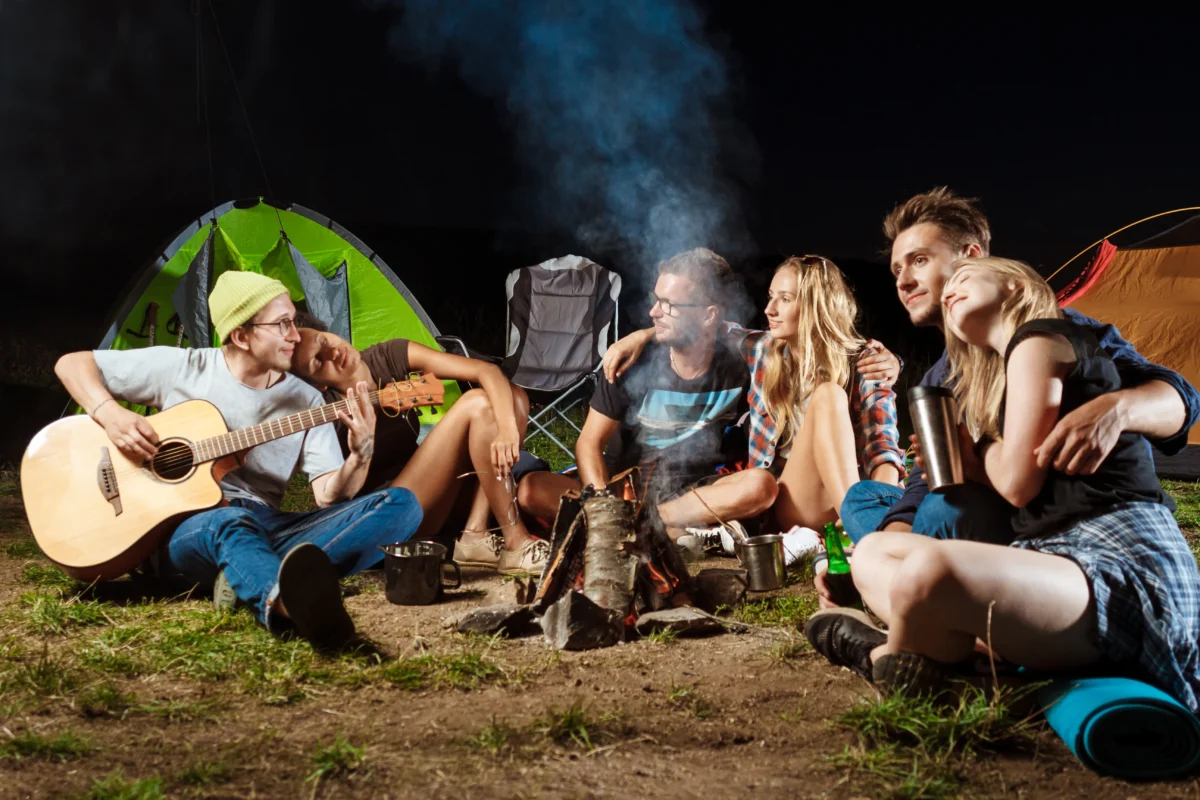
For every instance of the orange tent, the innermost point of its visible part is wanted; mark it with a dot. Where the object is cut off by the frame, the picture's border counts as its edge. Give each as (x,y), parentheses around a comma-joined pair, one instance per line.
(1150,290)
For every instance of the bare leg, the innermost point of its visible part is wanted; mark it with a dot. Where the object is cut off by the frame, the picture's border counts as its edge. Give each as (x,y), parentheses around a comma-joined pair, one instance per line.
(741,495)
(477,518)
(822,466)
(1043,615)
(538,494)
(477,521)
(460,442)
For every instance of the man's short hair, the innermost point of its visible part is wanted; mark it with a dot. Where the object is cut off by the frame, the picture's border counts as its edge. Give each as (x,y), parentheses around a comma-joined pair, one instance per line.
(959,218)
(706,269)
(307,320)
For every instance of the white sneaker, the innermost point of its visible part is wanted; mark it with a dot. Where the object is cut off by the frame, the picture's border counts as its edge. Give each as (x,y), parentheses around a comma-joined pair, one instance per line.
(722,538)
(800,543)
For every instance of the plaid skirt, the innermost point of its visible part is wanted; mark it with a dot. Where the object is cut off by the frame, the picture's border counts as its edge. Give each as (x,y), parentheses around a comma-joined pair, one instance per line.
(1147,592)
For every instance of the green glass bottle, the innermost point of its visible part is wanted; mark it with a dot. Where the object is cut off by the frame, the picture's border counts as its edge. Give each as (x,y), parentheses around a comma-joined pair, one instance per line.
(837,579)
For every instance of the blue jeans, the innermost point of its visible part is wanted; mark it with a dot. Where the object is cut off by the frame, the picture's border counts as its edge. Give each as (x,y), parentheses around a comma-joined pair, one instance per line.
(971,511)
(248,540)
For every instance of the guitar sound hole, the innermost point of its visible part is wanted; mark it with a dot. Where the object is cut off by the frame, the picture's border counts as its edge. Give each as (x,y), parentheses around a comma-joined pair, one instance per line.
(173,461)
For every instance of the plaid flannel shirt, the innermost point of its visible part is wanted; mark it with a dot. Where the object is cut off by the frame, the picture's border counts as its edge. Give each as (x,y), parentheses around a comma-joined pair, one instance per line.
(872,410)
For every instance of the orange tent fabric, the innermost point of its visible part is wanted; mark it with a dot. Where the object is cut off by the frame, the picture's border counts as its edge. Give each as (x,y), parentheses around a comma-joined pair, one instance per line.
(1152,295)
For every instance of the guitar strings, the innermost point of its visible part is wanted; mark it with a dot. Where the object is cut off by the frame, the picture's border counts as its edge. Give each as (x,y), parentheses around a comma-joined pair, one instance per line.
(189,457)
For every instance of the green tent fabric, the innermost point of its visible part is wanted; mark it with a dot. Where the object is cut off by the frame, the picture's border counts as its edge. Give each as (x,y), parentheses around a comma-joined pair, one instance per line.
(311,252)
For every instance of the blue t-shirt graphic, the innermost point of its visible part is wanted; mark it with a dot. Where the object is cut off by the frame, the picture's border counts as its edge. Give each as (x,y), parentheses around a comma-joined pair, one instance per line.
(674,425)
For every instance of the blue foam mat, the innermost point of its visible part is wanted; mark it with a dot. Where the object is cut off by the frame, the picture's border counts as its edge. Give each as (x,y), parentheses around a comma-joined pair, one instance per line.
(1123,727)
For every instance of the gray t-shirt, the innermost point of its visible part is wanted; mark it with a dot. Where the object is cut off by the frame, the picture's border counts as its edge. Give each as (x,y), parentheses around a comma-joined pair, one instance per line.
(166,376)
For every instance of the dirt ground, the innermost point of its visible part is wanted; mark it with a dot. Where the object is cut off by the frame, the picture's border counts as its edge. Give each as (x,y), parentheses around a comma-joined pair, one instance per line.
(717,717)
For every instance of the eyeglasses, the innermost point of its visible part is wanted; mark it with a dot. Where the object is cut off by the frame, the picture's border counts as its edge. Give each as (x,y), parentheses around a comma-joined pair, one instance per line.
(284,326)
(667,306)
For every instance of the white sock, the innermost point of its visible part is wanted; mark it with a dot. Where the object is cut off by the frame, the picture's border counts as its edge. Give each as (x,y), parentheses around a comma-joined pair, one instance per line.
(799,543)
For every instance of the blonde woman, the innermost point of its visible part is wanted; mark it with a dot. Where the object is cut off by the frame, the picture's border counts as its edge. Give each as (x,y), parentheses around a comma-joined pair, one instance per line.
(815,417)
(1099,571)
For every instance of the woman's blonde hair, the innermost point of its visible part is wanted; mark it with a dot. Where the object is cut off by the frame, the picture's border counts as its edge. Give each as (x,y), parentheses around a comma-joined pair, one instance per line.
(826,340)
(978,372)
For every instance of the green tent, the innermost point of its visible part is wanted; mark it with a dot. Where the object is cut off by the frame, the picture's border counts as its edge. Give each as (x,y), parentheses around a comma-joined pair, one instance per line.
(327,270)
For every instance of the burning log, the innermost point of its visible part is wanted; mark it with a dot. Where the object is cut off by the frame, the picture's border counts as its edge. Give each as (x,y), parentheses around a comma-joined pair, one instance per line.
(610,559)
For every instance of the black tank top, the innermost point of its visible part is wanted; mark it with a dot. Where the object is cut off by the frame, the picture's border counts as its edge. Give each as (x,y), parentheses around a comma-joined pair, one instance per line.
(1125,476)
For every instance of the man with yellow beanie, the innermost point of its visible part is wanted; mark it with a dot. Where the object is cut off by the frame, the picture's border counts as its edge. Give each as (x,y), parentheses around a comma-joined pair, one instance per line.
(284,565)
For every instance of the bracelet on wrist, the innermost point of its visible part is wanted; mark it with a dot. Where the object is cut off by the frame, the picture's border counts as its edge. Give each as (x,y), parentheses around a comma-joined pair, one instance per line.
(92,413)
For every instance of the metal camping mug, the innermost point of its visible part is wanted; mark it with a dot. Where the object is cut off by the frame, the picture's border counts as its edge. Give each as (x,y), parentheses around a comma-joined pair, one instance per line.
(762,556)
(935,421)
(414,572)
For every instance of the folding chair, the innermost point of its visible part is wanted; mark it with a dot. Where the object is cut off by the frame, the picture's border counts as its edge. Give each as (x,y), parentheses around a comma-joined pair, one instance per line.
(562,316)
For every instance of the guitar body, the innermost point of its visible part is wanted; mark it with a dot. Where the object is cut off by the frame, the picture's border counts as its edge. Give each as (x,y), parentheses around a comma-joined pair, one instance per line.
(97,514)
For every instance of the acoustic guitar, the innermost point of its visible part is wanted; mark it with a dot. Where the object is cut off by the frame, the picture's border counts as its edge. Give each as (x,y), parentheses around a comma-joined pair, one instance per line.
(98,515)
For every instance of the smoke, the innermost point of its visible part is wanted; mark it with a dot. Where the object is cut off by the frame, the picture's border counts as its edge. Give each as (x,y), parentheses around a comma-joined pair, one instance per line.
(620,110)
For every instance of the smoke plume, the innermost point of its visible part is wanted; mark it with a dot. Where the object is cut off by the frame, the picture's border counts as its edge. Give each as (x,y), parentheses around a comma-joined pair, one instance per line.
(620,109)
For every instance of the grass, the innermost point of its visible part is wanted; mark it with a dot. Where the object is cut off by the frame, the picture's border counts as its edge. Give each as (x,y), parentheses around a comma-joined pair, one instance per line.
(10,482)
(919,748)
(493,737)
(51,614)
(27,744)
(1187,500)
(539,445)
(576,726)
(1187,511)
(44,676)
(900,773)
(465,670)
(22,548)
(44,576)
(573,727)
(336,759)
(662,636)
(97,643)
(179,710)
(103,700)
(690,701)
(786,611)
(790,649)
(115,787)
(207,773)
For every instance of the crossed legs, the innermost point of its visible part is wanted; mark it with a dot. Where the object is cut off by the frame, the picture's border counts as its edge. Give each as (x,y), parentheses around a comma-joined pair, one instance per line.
(935,595)
(460,443)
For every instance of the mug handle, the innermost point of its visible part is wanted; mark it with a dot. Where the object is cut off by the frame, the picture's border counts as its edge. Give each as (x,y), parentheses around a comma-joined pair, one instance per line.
(457,575)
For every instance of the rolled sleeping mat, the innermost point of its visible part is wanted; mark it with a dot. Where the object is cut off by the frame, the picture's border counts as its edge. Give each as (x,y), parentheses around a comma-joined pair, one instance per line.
(1123,727)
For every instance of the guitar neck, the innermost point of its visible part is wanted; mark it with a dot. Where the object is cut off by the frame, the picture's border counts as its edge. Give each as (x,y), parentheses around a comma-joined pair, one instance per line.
(220,446)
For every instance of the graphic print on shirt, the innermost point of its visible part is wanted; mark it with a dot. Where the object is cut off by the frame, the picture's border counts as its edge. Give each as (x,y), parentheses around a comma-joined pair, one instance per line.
(667,418)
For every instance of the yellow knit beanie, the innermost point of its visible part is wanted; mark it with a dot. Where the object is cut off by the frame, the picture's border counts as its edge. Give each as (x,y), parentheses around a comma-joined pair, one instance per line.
(237,297)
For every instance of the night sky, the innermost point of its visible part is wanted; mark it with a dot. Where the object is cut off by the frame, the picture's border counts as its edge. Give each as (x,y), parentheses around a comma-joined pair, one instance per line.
(816,126)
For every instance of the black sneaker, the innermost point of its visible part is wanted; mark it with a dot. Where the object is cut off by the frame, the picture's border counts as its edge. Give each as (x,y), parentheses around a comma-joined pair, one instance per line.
(911,675)
(309,590)
(846,637)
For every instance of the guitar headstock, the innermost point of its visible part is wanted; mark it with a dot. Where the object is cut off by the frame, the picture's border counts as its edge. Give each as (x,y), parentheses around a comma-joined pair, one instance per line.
(419,390)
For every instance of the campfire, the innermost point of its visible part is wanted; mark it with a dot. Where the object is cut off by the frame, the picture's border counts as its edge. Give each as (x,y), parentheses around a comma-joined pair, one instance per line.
(613,574)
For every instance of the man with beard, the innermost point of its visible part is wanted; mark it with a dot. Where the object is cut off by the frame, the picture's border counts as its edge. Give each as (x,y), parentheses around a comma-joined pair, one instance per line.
(674,407)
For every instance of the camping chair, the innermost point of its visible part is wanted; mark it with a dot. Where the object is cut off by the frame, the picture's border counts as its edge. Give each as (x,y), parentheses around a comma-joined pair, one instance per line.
(562,316)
